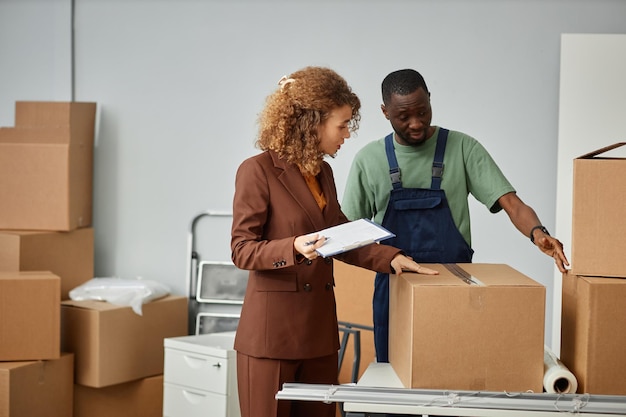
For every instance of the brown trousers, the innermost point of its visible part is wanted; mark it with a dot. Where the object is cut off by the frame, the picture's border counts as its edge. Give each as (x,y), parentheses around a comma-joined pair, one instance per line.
(259,380)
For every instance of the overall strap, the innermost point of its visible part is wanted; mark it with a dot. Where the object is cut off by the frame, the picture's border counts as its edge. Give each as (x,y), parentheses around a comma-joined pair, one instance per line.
(394,170)
(442,139)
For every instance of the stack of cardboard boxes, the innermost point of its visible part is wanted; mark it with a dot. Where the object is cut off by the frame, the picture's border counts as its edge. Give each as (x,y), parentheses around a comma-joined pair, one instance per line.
(60,357)
(594,290)
(447,334)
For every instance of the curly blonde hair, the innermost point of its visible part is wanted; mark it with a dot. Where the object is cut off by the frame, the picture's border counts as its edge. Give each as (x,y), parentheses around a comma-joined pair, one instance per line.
(289,122)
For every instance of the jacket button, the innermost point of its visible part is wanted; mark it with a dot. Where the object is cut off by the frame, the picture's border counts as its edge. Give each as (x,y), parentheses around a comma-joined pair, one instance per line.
(329,286)
(309,262)
(307,287)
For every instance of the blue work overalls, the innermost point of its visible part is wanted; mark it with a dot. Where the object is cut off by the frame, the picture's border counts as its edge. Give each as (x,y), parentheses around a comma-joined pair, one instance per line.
(425,231)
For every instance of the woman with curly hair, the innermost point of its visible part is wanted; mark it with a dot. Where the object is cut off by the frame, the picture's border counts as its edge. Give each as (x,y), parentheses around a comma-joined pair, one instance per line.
(288,327)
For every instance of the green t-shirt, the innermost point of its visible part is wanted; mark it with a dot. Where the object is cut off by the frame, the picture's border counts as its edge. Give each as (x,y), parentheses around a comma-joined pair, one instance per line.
(468,169)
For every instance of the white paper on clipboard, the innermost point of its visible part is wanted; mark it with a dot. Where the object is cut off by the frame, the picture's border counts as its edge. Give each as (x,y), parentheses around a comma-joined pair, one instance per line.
(351,235)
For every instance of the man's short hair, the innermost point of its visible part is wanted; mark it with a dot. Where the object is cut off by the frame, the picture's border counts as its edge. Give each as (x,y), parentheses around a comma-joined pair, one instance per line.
(402,82)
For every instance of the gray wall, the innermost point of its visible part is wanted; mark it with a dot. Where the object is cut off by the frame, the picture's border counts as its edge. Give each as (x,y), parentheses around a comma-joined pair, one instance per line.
(179,85)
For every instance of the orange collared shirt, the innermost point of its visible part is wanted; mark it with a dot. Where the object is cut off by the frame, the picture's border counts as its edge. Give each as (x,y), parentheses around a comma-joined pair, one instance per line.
(316,190)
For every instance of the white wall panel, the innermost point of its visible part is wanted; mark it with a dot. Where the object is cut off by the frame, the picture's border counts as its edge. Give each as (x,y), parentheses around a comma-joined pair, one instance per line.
(592,109)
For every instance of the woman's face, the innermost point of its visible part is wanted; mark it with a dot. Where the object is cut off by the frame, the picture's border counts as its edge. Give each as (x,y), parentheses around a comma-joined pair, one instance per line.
(335,130)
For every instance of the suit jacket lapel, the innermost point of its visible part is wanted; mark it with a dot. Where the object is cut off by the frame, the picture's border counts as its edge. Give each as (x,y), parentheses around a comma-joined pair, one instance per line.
(294,182)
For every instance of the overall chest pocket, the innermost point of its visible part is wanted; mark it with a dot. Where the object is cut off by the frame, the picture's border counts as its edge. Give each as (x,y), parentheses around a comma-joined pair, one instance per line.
(417,204)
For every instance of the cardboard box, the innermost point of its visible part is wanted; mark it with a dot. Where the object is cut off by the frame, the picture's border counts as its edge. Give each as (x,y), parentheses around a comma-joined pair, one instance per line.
(446,333)
(37,388)
(29,316)
(113,344)
(141,398)
(46,167)
(599,204)
(593,320)
(70,255)
(354,290)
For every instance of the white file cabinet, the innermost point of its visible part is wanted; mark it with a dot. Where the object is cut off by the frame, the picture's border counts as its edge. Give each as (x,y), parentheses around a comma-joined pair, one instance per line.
(200,376)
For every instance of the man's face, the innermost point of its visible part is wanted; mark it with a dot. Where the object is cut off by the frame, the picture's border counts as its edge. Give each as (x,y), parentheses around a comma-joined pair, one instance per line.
(410,117)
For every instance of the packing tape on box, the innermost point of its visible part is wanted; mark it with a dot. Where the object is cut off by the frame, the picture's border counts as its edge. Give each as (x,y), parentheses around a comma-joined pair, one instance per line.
(463,275)
(557,379)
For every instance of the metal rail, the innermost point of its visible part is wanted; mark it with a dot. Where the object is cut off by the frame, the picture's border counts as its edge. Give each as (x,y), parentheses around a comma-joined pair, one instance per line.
(462,402)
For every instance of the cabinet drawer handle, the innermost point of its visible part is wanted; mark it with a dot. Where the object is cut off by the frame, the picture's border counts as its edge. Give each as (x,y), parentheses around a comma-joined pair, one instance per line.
(194,397)
(217,365)
(195,362)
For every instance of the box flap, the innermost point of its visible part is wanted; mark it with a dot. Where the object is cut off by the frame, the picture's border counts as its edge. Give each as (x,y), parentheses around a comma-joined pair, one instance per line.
(20,233)
(91,305)
(35,135)
(105,305)
(24,275)
(602,150)
(9,252)
(50,113)
(9,366)
(489,275)
(596,280)
(499,274)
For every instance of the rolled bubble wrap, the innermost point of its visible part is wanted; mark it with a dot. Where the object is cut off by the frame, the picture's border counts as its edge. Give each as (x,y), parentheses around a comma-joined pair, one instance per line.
(557,379)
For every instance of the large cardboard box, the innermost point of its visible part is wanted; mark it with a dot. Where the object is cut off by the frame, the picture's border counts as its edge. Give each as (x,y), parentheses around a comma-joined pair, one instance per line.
(354,289)
(70,255)
(141,398)
(46,166)
(599,204)
(113,344)
(593,320)
(29,316)
(37,388)
(472,327)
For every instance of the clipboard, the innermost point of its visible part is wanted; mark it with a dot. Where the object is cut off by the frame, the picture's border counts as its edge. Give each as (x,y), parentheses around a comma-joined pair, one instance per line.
(351,235)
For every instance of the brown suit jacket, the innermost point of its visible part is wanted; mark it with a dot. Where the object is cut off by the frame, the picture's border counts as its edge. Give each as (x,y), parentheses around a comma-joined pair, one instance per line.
(289,307)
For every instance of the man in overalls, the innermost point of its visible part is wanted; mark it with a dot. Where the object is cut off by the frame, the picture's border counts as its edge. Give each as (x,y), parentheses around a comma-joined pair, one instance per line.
(416,181)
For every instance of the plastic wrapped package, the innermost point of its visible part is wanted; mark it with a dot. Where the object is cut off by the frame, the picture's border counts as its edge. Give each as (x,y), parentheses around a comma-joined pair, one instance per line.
(119,291)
